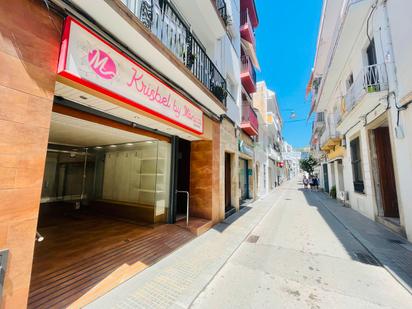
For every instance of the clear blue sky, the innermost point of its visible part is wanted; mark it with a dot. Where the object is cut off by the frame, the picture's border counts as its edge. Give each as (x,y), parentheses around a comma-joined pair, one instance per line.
(286,46)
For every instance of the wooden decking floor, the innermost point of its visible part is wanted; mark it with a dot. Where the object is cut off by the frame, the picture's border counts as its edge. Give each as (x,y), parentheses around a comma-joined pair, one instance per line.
(84,258)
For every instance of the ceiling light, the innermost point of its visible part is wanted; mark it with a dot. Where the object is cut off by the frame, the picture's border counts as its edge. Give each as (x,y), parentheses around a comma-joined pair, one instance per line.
(98,147)
(112,146)
(129,144)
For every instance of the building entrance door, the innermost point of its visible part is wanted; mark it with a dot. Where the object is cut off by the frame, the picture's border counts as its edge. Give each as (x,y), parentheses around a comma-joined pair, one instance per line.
(243,179)
(326,177)
(386,172)
(183,177)
(228,182)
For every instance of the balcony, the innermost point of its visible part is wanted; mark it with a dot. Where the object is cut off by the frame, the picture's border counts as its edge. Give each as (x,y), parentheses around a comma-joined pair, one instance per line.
(246,28)
(249,5)
(248,75)
(371,79)
(319,123)
(165,22)
(249,122)
(331,141)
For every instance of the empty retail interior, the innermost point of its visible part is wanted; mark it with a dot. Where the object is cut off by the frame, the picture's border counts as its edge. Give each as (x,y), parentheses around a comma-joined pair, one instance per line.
(104,189)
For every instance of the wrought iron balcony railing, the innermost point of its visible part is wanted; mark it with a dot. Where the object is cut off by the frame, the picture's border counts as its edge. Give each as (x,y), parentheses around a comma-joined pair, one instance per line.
(371,79)
(164,21)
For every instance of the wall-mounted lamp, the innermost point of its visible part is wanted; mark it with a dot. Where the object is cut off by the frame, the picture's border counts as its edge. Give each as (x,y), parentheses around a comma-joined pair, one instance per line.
(344,141)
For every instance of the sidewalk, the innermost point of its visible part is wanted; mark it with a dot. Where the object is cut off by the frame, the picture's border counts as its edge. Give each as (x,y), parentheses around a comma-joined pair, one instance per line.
(293,248)
(177,280)
(392,251)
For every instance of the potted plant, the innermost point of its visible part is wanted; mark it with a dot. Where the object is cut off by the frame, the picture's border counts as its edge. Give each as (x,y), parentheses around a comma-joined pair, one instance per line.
(332,192)
(372,88)
(219,92)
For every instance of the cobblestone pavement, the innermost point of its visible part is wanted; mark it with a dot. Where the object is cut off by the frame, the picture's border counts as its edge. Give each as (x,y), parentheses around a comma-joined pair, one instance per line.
(287,250)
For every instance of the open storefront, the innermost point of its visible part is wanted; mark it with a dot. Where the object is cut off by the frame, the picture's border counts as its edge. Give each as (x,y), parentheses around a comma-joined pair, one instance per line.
(118,173)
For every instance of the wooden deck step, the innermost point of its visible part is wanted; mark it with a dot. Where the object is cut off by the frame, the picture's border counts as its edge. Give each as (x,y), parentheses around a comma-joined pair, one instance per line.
(197,226)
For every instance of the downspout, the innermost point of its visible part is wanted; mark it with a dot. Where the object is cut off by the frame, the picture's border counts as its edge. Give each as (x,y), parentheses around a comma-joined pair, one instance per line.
(391,71)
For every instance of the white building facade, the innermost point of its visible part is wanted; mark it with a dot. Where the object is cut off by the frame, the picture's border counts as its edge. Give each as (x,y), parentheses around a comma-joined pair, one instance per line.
(268,144)
(361,88)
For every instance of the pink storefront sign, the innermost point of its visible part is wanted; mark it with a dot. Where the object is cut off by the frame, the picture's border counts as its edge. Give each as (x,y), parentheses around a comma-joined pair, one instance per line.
(89,60)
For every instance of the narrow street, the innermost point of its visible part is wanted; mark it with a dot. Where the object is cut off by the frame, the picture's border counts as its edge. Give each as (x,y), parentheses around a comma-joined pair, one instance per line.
(287,250)
(303,258)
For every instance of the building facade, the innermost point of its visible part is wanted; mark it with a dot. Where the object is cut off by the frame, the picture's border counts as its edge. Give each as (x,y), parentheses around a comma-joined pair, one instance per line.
(361,90)
(113,115)
(268,156)
(249,123)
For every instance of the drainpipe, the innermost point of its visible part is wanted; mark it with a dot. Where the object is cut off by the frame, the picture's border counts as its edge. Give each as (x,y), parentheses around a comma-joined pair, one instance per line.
(391,71)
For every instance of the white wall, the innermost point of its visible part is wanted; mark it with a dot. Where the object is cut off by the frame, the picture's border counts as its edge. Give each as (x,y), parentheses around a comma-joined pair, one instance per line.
(400,23)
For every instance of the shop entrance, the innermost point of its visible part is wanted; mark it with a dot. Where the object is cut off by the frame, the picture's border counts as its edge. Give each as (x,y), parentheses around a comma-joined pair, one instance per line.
(325,177)
(104,202)
(228,182)
(183,178)
(387,181)
(243,179)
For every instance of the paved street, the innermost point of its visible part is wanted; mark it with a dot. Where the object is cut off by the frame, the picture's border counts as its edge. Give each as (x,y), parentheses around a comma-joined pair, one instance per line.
(288,250)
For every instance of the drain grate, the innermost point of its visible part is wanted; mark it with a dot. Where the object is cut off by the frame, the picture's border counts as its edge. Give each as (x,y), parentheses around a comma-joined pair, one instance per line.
(366,259)
(253,239)
(396,241)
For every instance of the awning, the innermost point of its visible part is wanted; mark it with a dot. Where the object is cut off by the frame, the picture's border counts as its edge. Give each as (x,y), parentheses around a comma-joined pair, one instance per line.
(251,52)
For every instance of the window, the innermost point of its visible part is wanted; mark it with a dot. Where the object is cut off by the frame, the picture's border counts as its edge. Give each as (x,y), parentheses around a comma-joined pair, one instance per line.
(349,81)
(357,166)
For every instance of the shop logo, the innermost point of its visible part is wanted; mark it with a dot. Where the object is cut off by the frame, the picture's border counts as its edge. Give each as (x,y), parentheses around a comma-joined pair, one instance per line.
(102,64)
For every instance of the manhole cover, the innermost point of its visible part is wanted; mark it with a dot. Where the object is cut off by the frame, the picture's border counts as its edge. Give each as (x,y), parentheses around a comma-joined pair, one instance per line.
(253,239)
(366,259)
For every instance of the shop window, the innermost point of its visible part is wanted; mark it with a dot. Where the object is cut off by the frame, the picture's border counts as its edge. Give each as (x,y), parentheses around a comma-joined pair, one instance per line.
(357,166)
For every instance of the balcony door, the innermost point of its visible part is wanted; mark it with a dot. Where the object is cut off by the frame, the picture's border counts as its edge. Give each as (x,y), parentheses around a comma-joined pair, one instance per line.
(372,78)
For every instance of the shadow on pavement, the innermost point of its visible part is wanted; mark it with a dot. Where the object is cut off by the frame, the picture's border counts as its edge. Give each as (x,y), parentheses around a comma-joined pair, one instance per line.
(221,227)
(382,247)
(356,250)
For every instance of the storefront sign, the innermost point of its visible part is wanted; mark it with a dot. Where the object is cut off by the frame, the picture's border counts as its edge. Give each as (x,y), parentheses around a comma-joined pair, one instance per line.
(290,156)
(89,60)
(246,149)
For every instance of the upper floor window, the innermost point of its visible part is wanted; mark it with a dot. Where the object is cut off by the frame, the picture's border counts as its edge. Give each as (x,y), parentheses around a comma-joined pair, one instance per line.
(371,53)
(349,81)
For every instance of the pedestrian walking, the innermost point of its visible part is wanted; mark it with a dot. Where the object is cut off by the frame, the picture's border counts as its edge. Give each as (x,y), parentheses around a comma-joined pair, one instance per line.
(305,182)
(311,182)
(316,182)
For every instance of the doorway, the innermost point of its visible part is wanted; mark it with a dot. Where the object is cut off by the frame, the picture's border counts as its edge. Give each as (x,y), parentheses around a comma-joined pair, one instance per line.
(183,178)
(103,208)
(243,180)
(326,177)
(386,173)
(228,182)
